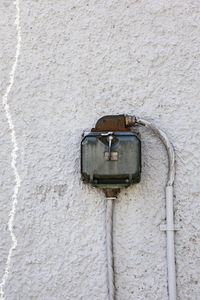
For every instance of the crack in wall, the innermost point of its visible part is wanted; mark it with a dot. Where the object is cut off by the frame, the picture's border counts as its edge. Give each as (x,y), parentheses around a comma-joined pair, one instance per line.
(13,153)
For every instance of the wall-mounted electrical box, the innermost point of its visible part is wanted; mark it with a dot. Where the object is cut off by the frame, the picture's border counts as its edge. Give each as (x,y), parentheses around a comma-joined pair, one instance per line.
(111,154)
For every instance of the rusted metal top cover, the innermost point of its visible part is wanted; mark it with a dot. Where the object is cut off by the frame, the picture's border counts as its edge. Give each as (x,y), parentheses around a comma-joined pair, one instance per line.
(111,123)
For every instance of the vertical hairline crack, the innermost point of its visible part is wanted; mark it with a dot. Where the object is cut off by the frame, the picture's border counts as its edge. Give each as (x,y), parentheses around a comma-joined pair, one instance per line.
(14,150)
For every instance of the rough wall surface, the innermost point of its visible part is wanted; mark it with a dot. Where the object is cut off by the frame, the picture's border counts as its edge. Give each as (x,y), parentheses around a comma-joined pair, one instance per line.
(80,60)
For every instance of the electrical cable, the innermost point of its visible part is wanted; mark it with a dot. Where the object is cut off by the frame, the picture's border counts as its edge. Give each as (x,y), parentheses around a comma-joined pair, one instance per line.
(131,121)
(170,150)
(169,206)
(109,248)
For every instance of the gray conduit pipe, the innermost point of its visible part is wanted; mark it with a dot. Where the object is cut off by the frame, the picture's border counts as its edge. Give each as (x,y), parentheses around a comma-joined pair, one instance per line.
(169,205)
(109,247)
(132,121)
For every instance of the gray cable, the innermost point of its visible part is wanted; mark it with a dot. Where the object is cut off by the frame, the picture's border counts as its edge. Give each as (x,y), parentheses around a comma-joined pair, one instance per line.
(131,121)
(170,228)
(170,150)
(109,248)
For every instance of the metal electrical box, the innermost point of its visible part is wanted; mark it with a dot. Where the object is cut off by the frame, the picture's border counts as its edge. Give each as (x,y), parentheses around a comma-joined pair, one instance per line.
(111,154)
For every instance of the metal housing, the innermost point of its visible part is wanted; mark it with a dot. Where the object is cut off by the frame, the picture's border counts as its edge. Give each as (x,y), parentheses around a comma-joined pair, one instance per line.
(121,170)
(111,154)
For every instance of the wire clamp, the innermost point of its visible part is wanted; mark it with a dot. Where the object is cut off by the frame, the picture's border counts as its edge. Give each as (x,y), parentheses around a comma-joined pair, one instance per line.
(164,227)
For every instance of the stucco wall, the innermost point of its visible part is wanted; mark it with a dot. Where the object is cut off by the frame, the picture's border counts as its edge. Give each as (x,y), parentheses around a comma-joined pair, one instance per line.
(80,60)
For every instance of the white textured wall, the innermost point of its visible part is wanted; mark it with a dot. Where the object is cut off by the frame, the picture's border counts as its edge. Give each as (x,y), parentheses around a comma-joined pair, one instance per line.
(80,60)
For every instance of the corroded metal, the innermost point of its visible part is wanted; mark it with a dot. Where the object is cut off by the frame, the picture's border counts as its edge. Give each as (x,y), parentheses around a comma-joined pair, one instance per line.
(111,193)
(130,121)
(111,123)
